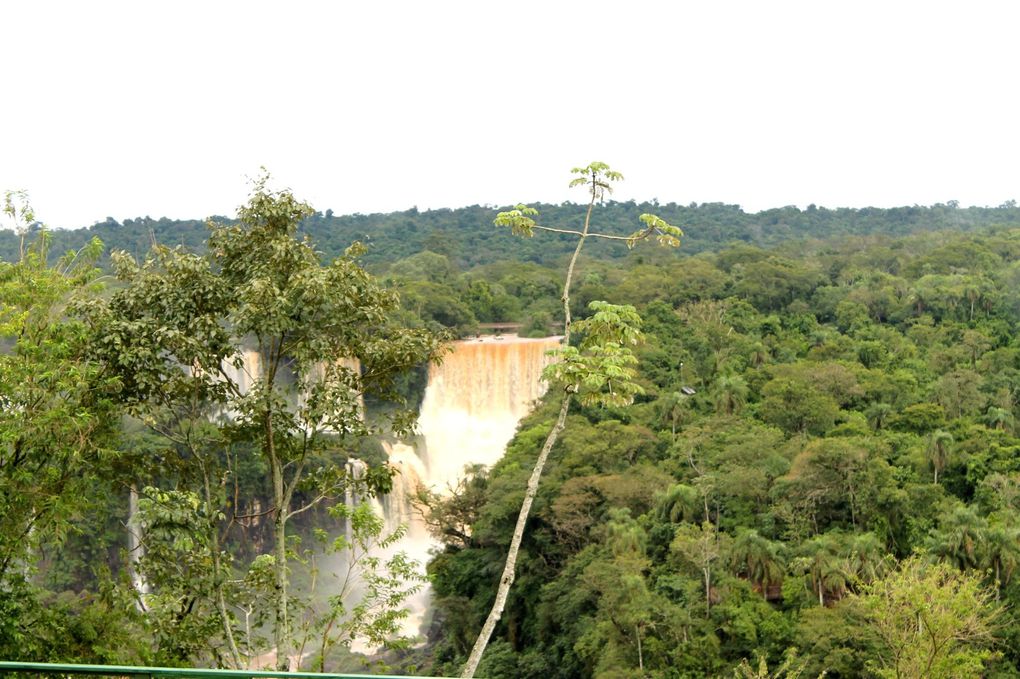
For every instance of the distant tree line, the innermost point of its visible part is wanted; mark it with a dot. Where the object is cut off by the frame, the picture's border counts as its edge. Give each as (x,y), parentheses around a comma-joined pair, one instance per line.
(464,236)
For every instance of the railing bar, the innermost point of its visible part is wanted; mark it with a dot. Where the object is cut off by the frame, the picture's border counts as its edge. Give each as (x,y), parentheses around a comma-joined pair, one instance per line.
(156,672)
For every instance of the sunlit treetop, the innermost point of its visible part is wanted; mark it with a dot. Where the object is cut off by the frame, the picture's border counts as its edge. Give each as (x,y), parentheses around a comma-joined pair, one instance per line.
(598,177)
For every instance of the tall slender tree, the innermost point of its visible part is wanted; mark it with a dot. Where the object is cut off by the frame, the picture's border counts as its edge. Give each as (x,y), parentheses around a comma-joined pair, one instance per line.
(597,371)
(940,448)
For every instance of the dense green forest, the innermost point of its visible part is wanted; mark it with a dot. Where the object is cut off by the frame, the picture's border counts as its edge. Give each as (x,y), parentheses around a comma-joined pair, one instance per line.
(466,237)
(823,468)
(855,404)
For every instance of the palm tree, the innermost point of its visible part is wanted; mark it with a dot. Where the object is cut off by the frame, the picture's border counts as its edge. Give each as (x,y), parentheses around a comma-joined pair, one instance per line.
(679,503)
(998,418)
(757,558)
(867,559)
(878,415)
(759,355)
(730,394)
(1002,550)
(821,561)
(961,539)
(939,451)
(675,407)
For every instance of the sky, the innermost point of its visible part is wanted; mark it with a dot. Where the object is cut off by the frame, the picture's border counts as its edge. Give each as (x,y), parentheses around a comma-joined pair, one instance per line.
(167,109)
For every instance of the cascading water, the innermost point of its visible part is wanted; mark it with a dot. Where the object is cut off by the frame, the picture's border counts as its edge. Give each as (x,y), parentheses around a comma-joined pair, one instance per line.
(136,549)
(250,370)
(473,403)
(397,505)
(356,471)
(475,399)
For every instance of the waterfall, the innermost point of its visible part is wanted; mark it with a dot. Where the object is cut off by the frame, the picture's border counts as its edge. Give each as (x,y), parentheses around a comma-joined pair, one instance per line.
(475,399)
(136,548)
(249,371)
(472,406)
(243,376)
(473,403)
(353,495)
(397,505)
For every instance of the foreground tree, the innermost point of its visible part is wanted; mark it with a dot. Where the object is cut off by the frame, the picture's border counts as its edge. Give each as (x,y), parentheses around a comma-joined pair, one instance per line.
(599,371)
(933,622)
(56,420)
(260,330)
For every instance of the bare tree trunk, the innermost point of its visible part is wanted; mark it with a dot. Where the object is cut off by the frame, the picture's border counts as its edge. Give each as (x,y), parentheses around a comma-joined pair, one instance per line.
(708,593)
(281,630)
(507,579)
(221,603)
(640,656)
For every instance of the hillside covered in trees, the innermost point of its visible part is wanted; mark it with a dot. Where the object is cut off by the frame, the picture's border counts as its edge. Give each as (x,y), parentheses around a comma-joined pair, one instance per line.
(854,405)
(824,459)
(466,236)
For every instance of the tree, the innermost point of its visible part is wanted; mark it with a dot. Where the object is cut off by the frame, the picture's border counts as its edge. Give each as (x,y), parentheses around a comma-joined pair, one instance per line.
(730,394)
(788,669)
(365,603)
(183,563)
(1002,548)
(598,371)
(960,538)
(821,562)
(866,559)
(998,418)
(57,424)
(757,558)
(698,547)
(54,415)
(940,447)
(959,392)
(797,406)
(828,478)
(934,622)
(678,503)
(318,338)
(627,609)
(878,415)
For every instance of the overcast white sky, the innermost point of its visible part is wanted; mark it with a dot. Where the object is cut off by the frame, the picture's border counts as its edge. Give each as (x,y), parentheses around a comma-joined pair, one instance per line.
(128,109)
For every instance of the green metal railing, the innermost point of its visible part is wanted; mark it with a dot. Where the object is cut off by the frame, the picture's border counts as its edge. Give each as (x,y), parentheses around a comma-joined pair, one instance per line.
(52,669)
